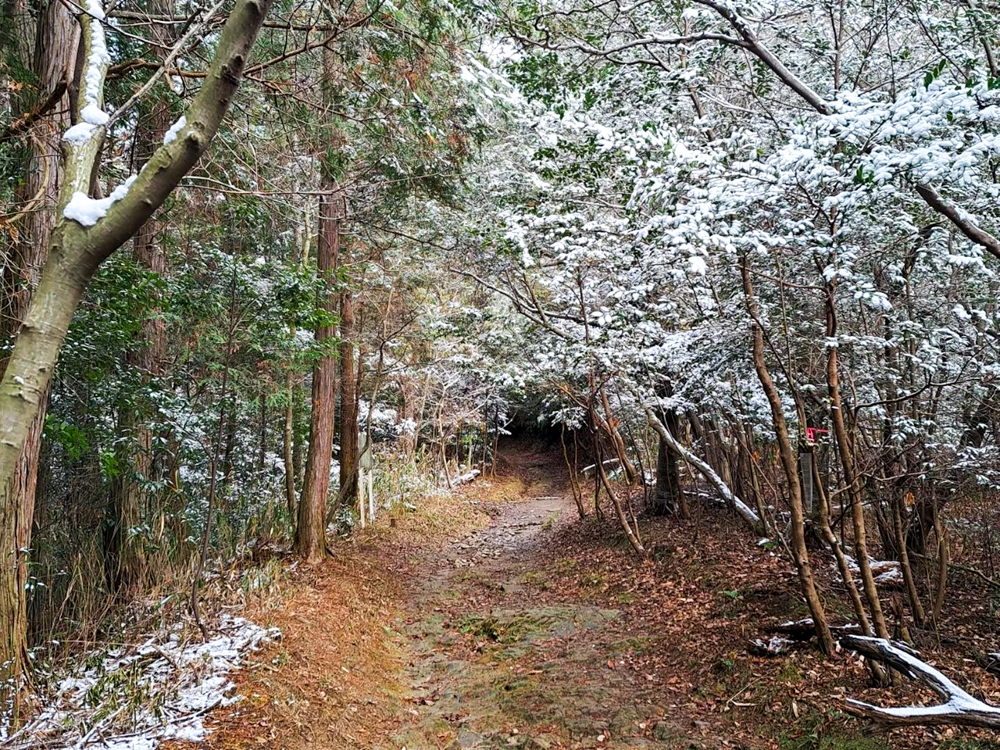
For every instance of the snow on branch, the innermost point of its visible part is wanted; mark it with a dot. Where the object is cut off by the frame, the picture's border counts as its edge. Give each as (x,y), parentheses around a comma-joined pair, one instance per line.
(958,706)
(960,219)
(114,224)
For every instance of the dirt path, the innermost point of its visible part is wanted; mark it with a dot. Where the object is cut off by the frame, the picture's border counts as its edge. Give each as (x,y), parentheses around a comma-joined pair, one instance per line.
(491,617)
(498,663)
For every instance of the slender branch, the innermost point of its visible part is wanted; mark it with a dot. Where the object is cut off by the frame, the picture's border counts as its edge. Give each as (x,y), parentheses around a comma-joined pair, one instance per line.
(745,511)
(165,65)
(980,236)
(22,123)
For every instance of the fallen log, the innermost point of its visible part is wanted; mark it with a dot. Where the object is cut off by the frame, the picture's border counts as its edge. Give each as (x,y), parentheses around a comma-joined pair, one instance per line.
(466,478)
(588,471)
(804,629)
(990,661)
(958,707)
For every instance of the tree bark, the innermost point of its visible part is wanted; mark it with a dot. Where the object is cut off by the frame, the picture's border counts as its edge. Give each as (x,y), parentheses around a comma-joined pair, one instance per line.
(745,511)
(823,522)
(571,470)
(125,560)
(54,60)
(667,496)
(851,480)
(310,533)
(409,416)
(348,403)
(631,534)
(227,459)
(287,444)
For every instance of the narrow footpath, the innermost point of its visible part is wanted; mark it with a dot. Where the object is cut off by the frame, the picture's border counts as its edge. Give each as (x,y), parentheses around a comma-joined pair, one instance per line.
(498,659)
(493,617)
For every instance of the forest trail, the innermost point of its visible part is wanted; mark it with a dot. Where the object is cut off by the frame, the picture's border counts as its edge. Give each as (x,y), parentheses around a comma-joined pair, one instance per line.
(492,617)
(470,642)
(496,663)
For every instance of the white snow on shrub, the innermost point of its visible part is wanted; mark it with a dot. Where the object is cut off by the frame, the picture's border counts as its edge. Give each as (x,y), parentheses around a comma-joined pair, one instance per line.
(134,698)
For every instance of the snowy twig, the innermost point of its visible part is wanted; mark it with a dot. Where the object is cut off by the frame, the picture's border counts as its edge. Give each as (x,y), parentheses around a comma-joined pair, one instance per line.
(959,707)
(805,628)
(165,65)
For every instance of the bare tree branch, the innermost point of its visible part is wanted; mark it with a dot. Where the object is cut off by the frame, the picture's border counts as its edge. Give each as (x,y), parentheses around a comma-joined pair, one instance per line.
(958,708)
(980,236)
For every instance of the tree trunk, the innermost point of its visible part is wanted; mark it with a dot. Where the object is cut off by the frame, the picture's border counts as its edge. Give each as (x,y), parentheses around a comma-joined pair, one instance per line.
(77,247)
(851,481)
(789,464)
(667,496)
(943,558)
(125,563)
(631,534)
(409,416)
(54,61)
(730,498)
(571,470)
(262,446)
(348,403)
(916,606)
(299,430)
(610,425)
(310,533)
(287,443)
(227,461)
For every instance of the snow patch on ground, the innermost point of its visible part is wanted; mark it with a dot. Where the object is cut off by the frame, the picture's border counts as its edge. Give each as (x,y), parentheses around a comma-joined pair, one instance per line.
(135,698)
